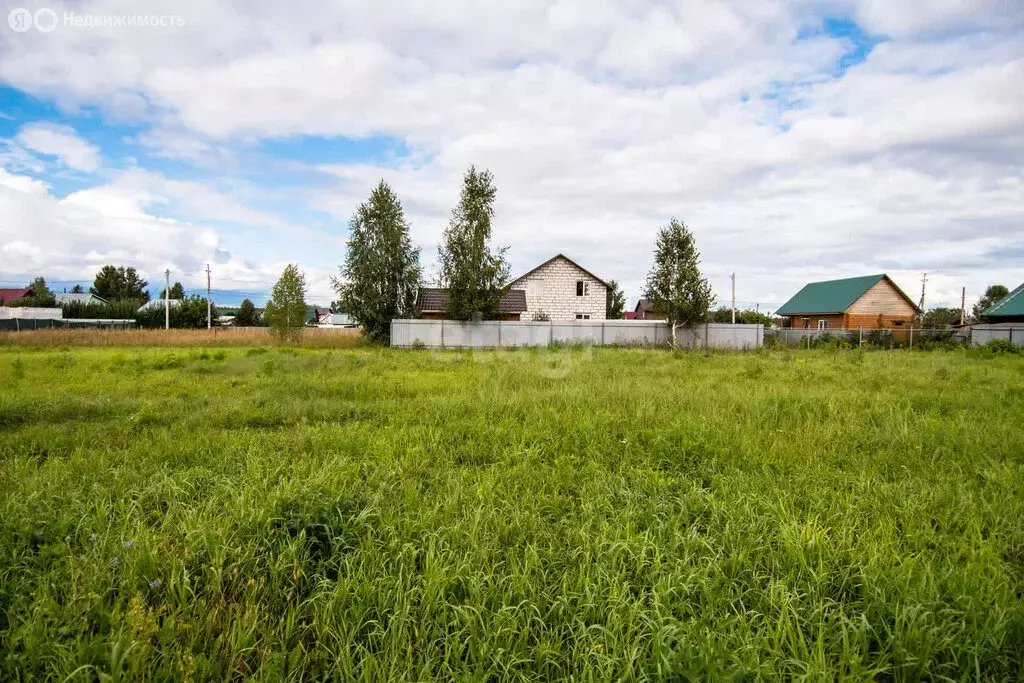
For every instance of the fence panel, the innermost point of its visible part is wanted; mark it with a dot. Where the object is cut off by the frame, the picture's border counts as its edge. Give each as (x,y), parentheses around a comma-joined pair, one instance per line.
(983,334)
(494,334)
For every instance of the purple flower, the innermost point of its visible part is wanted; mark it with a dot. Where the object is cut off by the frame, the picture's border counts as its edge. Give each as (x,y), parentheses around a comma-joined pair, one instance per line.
(129,544)
(115,560)
(154,584)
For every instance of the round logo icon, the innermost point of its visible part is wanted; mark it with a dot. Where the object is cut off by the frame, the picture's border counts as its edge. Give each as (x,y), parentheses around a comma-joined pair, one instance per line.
(46,20)
(20,19)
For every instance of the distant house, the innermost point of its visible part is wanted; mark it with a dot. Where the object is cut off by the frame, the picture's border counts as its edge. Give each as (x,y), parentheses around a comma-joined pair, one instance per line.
(560,290)
(645,311)
(85,298)
(432,301)
(159,303)
(870,301)
(9,295)
(337,319)
(320,314)
(1009,309)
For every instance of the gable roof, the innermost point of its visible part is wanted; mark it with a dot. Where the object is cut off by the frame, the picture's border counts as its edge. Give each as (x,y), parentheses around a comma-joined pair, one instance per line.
(435,299)
(14,294)
(643,306)
(554,258)
(1010,305)
(78,298)
(835,296)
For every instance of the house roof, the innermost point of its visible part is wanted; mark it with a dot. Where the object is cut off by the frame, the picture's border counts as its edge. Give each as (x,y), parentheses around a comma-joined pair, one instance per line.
(14,294)
(834,296)
(643,306)
(159,303)
(1010,305)
(78,298)
(434,299)
(553,258)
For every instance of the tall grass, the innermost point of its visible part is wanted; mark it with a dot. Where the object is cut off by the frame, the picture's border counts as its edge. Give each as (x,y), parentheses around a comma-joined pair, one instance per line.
(601,514)
(215,338)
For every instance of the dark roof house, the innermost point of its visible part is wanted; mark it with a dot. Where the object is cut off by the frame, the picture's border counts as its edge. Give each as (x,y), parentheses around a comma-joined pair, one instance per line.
(1009,309)
(645,311)
(868,301)
(431,302)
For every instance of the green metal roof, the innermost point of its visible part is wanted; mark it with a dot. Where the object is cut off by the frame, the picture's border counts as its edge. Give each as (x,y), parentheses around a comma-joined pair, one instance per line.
(1011,304)
(831,296)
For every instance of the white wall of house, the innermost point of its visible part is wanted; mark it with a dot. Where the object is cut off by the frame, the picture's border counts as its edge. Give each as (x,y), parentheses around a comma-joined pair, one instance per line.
(552,290)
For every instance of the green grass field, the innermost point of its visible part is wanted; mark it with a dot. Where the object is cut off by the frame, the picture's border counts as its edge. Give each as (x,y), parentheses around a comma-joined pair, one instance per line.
(591,514)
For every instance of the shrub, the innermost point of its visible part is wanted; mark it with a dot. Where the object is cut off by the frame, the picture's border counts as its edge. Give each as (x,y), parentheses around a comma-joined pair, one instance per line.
(1001,347)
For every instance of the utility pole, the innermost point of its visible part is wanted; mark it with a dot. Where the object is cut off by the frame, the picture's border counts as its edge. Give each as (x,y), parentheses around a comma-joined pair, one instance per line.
(167,299)
(733,298)
(209,306)
(963,300)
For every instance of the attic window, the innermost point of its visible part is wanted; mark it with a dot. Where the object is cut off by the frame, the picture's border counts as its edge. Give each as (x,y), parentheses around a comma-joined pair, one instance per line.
(582,288)
(583,316)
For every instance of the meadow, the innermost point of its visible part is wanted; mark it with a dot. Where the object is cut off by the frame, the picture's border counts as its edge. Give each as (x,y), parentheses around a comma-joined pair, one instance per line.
(593,514)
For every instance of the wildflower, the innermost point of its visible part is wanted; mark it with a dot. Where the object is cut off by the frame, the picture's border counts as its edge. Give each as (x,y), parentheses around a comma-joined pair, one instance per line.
(129,544)
(115,563)
(154,584)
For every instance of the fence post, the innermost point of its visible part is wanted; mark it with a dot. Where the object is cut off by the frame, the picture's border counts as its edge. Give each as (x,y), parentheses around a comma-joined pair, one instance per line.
(603,342)
(499,334)
(551,333)
(442,333)
(911,336)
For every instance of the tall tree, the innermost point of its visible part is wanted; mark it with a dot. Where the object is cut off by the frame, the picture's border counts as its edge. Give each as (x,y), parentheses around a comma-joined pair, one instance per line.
(675,286)
(177,291)
(993,294)
(381,273)
(247,315)
(42,295)
(615,305)
(77,289)
(941,318)
(119,283)
(285,312)
(474,274)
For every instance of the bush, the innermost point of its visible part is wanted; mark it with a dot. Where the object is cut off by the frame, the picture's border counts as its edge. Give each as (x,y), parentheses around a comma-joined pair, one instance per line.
(120,309)
(1001,347)
(879,338)
(190,313)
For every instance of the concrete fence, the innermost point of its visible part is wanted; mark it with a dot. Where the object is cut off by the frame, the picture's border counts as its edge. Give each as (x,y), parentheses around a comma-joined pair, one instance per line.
(29,312)
(982,334)
(436,334)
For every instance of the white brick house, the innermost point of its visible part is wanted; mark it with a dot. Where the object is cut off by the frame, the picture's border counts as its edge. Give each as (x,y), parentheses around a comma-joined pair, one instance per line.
(562,290)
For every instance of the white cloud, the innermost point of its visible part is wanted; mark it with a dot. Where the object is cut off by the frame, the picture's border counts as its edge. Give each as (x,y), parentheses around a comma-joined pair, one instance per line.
(599,119)
(61,142)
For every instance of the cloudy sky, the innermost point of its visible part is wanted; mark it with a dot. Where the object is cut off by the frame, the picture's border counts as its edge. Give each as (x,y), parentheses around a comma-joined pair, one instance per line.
(799,140)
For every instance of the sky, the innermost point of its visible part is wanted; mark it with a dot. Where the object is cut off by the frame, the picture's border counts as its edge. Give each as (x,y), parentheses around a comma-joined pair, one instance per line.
(800,141)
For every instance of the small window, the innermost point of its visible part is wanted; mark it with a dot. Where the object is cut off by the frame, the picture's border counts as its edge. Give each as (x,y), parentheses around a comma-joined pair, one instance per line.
(583,316)
(822,324)
(582,288)
(898,323)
